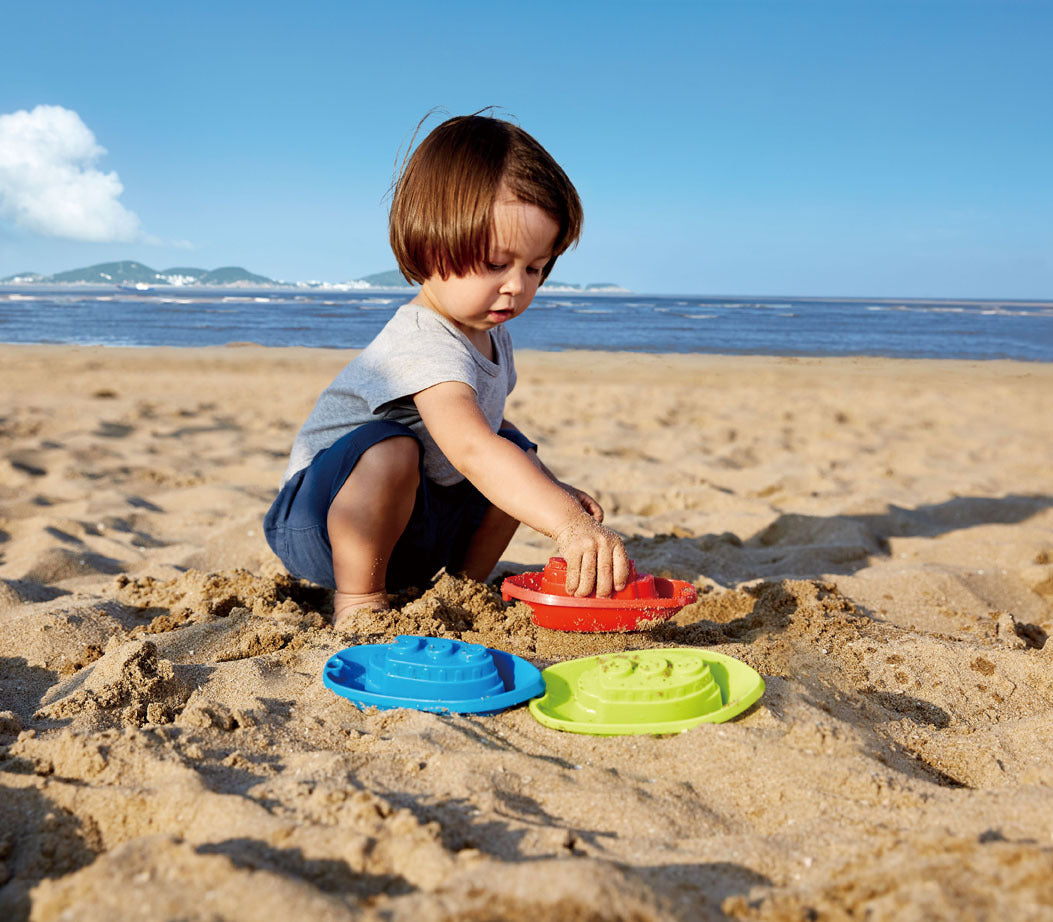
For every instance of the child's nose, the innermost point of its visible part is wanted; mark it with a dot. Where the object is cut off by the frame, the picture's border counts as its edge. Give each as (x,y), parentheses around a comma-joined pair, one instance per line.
(513,283)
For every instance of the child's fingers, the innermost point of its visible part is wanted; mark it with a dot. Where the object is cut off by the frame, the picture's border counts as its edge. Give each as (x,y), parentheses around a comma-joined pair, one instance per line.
(596,560)
(586,575)
(590,505)
(573,569)
(612,567)
(621,567)
(581,570)
(604,575)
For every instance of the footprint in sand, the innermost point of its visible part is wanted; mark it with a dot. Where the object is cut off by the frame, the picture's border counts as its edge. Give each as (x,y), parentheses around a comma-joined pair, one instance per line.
(139,503)
(60,563)
(27,464)
(110,430)
(17,592)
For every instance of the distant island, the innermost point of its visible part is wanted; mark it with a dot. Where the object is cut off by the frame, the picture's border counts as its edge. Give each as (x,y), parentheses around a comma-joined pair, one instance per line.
(131,273)
(135,276)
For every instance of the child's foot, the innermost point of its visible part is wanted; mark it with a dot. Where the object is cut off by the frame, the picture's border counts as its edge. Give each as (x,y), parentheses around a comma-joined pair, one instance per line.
(346,604)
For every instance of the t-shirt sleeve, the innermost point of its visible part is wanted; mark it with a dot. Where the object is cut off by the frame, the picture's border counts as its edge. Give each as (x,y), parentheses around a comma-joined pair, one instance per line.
(406,365)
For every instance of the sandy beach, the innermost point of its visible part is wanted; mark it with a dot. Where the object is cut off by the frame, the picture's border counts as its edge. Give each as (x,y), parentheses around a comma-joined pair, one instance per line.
(874,536)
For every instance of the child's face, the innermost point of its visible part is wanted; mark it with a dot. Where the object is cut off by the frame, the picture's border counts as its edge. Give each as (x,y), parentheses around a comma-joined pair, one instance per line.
(522,243)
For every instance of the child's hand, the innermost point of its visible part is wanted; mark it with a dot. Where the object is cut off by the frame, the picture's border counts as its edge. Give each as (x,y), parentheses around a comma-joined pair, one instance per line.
(595,556)
(586,502)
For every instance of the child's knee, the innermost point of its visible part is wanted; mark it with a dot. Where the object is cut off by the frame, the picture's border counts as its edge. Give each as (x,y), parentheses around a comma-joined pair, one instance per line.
(395,460)
(390,468)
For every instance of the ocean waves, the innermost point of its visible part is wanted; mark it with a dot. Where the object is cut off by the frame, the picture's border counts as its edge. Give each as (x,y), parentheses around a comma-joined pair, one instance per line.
(616,322)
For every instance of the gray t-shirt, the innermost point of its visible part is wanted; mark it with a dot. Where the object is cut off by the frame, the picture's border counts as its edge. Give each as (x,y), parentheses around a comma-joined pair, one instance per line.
(417,348)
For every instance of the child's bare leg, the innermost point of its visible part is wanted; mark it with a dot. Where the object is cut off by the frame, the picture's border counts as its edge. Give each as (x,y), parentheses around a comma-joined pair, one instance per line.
(488,543)
(366,519)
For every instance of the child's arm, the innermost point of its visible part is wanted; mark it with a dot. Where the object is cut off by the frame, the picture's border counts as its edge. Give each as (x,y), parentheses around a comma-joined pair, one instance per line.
(586,502)
(513,482)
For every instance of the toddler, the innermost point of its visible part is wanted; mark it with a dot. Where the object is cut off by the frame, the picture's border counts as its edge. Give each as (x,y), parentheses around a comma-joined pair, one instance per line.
(407,463)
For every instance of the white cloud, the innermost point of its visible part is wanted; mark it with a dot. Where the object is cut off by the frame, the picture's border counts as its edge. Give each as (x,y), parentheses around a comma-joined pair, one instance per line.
(48,181)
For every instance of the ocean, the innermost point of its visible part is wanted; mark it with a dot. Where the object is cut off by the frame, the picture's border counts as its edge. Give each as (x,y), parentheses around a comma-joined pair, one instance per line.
(897,328)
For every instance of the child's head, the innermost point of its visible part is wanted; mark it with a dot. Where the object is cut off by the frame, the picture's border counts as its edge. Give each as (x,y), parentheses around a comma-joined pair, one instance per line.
(442,208)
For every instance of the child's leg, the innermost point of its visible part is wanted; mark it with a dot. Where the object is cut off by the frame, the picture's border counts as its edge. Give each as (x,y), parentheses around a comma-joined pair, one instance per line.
(366,518)
(488,543)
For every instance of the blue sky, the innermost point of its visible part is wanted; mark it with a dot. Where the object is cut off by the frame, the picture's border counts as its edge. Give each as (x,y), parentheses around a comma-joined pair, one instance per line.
(881,148)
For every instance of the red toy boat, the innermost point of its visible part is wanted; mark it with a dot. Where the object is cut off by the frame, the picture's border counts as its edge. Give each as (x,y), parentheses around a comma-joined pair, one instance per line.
(644,599)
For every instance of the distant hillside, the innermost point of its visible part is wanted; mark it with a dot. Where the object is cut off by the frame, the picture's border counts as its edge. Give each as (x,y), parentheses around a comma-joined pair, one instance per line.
(184,275)
(125,271)
(390,279)
(233,275)
(129,272)
(595,287)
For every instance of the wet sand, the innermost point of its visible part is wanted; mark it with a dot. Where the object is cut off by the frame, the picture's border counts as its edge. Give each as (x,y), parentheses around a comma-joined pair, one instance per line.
(874,536)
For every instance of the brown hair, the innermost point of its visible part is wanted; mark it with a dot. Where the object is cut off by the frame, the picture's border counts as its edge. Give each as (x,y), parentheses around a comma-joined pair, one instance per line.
(442,204)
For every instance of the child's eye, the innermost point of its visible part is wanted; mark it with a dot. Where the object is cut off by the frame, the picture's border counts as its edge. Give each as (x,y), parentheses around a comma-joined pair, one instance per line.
(495,267)
(534,270)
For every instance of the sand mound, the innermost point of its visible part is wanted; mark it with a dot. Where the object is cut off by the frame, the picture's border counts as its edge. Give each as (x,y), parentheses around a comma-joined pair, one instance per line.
(925,878)
(130,683)
(165,878)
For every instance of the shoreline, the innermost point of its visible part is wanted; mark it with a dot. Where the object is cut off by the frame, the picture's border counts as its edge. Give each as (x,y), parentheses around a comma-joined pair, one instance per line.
(576,351)
(532,354)
(873,535)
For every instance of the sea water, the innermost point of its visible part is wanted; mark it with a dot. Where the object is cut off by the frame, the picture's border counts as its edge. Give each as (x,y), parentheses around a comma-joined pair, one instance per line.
(555,321)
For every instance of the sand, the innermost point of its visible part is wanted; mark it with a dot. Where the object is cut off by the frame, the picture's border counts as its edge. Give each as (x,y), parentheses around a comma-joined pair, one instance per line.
(875,537)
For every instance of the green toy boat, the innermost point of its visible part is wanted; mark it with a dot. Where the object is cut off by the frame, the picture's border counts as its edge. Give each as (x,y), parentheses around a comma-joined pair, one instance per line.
(645,691)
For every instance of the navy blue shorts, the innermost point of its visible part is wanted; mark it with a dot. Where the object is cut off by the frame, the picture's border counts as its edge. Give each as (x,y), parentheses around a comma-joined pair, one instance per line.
(439,531)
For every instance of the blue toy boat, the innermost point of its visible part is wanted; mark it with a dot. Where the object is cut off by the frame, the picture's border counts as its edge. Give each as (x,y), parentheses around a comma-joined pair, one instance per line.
(432,674)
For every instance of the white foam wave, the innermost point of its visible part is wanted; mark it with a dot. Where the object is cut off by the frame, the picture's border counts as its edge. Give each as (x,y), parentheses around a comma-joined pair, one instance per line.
(976,310)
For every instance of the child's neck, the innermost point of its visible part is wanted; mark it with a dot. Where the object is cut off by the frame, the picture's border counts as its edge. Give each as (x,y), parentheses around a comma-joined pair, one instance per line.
(481,339)
(484,342)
